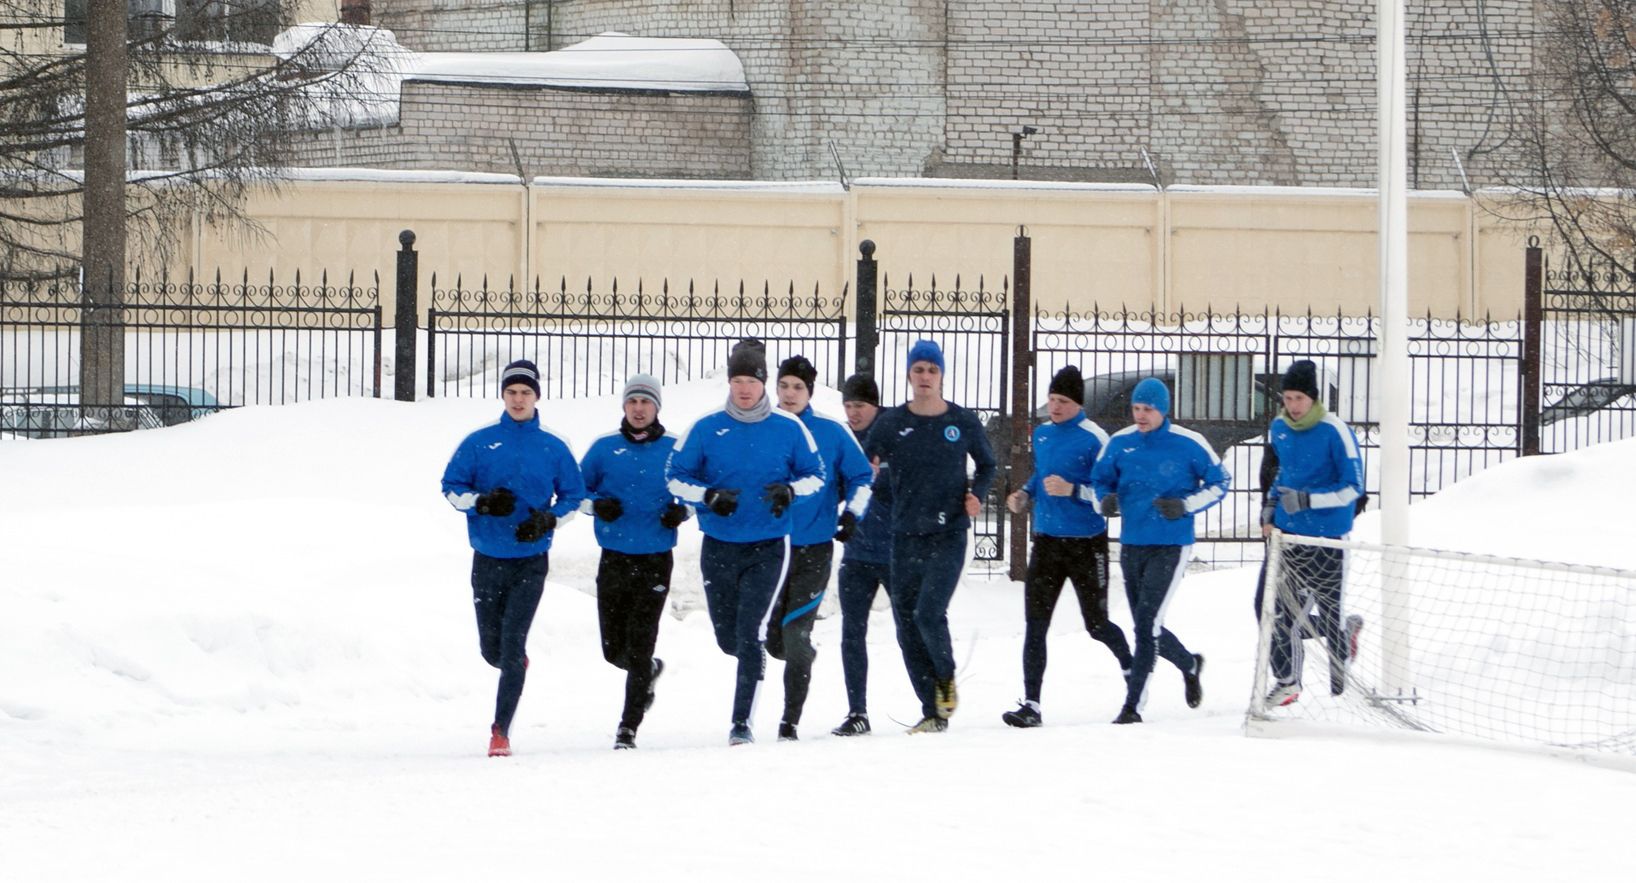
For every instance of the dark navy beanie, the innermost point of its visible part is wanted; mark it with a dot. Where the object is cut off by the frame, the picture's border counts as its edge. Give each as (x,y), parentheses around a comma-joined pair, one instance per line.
(1153,393)
(1302,377)
(748,359)
(521,371)
(925,351)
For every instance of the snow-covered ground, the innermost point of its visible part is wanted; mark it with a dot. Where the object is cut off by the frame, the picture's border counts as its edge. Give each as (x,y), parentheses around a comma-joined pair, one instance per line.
(243,648)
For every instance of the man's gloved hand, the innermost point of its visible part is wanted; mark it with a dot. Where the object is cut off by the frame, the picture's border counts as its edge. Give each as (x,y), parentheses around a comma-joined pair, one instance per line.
(499,502)
(778,497)
(847,527)
(1293,500)
(1170,507)
(673,516)
(608,508)
(722,501)
(1267,512)
(536,527)
(1110,506)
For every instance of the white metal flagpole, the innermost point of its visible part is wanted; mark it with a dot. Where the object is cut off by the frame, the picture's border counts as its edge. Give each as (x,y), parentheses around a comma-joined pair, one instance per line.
(1394,386)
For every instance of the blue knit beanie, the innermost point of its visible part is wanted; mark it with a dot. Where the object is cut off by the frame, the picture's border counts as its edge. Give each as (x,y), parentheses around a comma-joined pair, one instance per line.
(1153,393)
(926,351)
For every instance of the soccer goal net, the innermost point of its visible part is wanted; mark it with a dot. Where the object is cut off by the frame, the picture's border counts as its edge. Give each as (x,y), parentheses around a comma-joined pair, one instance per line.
(1528,653)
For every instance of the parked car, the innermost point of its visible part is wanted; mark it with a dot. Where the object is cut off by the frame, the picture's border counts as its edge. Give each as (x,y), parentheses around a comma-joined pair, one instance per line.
(57,411)
(1107,402)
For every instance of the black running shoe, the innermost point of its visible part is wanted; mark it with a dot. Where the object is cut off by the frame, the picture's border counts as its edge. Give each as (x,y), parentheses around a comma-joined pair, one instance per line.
(1027,715)
(626,738)
(854,725)
(658,669)
(740,734)
(1128,715)
(786,732)
(1193,690)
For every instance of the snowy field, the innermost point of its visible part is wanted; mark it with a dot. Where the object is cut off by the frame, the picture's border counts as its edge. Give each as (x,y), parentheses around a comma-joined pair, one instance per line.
(243,648)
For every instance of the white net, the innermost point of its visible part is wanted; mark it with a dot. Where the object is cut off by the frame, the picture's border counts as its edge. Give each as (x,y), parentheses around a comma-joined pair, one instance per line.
(1527,653)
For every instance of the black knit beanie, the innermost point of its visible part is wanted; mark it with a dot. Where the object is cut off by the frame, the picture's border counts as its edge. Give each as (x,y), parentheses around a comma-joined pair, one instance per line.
(1067,382)
(748,359)
(861,388)
(801,369)
(1302,377)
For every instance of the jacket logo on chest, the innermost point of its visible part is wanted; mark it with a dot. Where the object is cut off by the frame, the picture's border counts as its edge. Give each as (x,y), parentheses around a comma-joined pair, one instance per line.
(618,451)
(495,445)
(952,433)
(723,431)
(905,431)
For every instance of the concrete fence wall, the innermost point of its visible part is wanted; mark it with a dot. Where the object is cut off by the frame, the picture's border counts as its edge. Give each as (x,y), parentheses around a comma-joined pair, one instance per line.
(1093,245)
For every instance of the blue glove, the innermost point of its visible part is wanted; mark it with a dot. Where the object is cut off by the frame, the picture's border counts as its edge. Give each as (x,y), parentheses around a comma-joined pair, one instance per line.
(1294,501)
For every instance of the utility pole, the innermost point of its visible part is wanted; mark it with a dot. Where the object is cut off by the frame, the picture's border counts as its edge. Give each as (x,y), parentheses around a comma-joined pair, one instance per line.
(102,243)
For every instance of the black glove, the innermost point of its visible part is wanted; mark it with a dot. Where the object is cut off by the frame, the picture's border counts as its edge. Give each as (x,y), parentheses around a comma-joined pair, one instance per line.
(1110,506)
(673,516)
(498,502)
(847,527)
(536,527)
(608,508)
(1294,501)
(1267,513)
(778,496)
(1170,507)
(722,501)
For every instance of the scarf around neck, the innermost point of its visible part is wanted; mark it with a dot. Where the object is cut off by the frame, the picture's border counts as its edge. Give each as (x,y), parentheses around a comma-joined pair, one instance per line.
(1313,416)
(638,436)
(753,414)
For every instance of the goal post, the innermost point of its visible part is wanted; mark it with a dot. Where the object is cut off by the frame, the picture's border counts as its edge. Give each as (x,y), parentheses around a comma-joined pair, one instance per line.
(1528,653)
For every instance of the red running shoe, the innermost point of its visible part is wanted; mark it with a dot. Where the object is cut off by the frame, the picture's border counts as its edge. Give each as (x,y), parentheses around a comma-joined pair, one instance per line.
(499,745)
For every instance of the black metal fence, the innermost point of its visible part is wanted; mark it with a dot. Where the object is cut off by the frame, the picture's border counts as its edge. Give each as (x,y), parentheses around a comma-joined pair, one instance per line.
(587,342)
(1224,372)
(1482,391)
(1586,365)
(184,348)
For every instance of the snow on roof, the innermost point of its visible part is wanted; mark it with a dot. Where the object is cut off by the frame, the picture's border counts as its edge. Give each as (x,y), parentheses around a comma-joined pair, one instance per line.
(375,67)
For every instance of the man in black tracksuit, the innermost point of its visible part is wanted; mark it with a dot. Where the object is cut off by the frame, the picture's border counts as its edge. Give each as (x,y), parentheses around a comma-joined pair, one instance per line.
(636,521)
(1070,537)
(925,445)
(865,563)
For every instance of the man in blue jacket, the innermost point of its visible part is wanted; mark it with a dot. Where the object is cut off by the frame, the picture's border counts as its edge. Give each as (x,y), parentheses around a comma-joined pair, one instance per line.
(925,446)
(636,521)
(848,477)
(515,481)
(1070,537)
(1314,494)
(743,467)
(865,562)
(1157,476)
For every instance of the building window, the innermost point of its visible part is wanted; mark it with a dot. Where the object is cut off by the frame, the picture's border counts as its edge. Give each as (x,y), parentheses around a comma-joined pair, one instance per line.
(194,21)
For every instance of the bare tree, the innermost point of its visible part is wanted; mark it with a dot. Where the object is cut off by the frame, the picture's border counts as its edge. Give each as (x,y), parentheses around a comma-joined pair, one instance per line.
(1578,171)
(119,125)
(209,108)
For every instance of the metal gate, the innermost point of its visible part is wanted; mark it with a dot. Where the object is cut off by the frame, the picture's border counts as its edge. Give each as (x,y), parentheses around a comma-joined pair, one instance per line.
(972,323)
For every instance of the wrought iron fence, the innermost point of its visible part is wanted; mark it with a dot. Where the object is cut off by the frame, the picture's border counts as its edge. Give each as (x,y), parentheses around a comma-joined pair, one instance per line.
(973,328)
(586,342)
(1224,372)
(175,350)
(1587,330)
